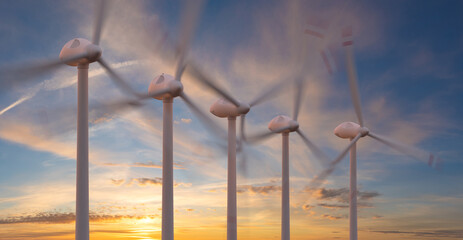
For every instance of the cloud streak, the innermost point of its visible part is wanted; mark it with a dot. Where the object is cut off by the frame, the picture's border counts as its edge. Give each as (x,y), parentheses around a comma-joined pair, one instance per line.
(68,217)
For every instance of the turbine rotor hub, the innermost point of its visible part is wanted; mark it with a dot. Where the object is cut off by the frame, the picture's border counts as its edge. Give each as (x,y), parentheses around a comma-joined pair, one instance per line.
(94,52)
(80,46)
(223,108)
(165,82)
(243,108)
(175,88)
(364,131)
(283,124)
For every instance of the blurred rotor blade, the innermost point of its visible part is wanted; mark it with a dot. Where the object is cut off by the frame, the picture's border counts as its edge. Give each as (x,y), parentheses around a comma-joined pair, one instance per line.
(413,152)
(243,120)
(315,150)
(318,180)
(328,60)
(100,15)
(352,73)
(180,69)
(297,99)
(208,82)
(189,20)
(205,120)
(269,93)
(118,80)
(20,73)
(124,104)
(242,165)
(314,33)
(264,135)
(243,160)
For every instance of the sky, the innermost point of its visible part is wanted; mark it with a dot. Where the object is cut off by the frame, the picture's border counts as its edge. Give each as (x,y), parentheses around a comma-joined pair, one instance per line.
(408,55)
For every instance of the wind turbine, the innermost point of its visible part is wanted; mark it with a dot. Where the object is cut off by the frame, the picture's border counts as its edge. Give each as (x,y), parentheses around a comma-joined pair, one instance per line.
(80,53)
(285,125)
(353,132)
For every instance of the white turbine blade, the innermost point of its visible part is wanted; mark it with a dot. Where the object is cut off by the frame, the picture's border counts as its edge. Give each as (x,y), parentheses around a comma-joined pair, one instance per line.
(327,61)
(243,120)
(118,80)
(100,15)
(243,164)
(352,73)
(243,160)
(259,136)
(315,33)
(205,120)
(263,135)
(318,180)
(189,20)
(18,73)
(413,152)
(208,82)
(180,69)
(330,60)
(121,105)
(315,150)
(297,99)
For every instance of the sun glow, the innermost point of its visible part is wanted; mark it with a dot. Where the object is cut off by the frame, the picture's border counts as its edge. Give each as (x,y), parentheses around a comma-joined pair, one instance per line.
(146,220)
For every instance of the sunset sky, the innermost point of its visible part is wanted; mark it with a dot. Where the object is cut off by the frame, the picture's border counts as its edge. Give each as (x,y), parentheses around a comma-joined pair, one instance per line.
(409,57)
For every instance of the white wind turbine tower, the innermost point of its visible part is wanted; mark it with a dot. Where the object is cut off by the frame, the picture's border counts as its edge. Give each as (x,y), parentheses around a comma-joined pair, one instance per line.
(354,131)
(80,53)
(285,125)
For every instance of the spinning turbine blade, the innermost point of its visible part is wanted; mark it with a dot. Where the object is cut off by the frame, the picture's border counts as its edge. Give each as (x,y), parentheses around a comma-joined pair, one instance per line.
(208,82)
(259,137)
(243,164)
(189,20)
(318,180)
(120,105)
(297,99)
(413,152)
(352,74)
(328,60)
(315,150)
(207,122)
(34,69)
(100,14)
(243,120)
(179,71)
(118,80)
(264,135)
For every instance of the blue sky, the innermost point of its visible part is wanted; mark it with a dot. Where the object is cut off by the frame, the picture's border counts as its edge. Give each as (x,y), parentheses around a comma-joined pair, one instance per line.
(408,54)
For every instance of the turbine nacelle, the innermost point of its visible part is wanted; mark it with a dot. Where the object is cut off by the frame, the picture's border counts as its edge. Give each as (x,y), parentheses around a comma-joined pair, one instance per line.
(350,130)
(165,81)
(283,124)
(223,109)
(80,46)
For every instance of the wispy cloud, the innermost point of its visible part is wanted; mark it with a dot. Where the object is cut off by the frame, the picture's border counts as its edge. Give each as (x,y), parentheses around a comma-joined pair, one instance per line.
(63,217)
(265,190)
(442,233)
(149,164)
(157,181)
